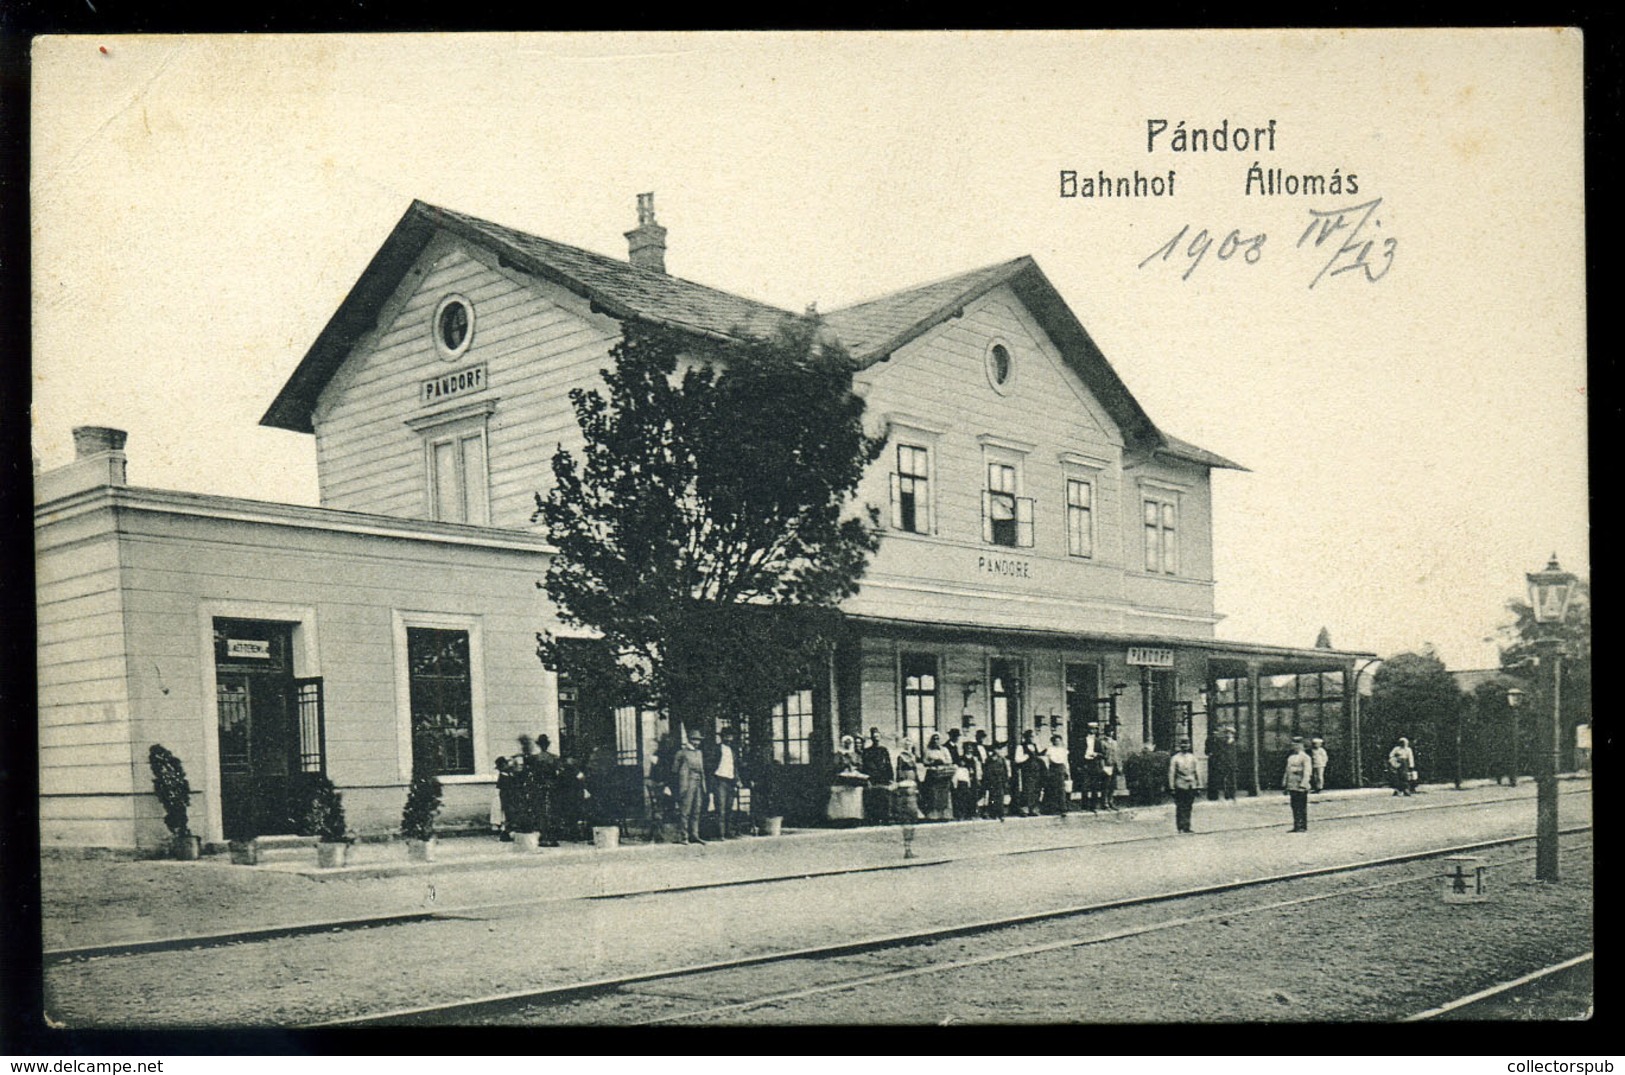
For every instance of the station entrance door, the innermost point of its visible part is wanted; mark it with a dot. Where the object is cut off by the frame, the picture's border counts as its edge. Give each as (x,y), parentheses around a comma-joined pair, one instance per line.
(270,725)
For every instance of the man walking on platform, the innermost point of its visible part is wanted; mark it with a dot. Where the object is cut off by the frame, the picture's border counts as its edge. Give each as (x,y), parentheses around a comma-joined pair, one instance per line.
(1184,780)
(1296,782)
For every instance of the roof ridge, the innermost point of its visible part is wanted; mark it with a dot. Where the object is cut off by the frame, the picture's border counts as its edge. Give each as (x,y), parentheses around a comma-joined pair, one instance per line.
(609,260)
(1009,262)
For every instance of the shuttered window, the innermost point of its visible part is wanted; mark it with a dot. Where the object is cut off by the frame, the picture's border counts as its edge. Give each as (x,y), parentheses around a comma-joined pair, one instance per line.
(911,490)
(1007,519)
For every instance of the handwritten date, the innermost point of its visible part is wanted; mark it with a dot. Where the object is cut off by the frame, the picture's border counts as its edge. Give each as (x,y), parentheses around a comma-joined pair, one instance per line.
(1347,235)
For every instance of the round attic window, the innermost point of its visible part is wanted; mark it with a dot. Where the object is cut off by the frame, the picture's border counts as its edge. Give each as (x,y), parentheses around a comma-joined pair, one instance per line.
(1001,368)
(453,327)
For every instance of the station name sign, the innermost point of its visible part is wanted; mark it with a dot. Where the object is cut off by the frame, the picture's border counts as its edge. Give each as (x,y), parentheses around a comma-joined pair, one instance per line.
(1151,656)
(460,383)
(246,647)
(1005,566)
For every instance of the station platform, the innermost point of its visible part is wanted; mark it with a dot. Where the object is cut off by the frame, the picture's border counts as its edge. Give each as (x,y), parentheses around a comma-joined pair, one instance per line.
(86,903)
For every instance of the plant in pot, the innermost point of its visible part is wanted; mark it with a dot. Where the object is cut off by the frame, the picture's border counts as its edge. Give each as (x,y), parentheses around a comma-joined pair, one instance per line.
(528,805)
(417,819)
(324,819)
(175,793)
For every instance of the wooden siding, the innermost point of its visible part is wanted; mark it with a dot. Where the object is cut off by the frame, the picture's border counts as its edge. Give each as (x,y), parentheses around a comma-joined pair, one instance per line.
(86,769)
(141,677)
(939,380)
(537,342)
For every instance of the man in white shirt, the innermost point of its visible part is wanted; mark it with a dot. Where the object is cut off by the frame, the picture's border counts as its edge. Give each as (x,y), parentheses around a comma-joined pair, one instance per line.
(725,782)
(1089,769)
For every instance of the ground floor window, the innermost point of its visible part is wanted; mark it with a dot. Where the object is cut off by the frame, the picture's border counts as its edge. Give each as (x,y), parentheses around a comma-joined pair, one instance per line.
(919,698)
(792,728)
(1004,709)
(440,681)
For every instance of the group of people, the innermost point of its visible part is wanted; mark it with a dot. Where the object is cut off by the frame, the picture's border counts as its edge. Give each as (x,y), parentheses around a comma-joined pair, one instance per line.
(1305,773)
(537,791)
(687,774)
(953,777)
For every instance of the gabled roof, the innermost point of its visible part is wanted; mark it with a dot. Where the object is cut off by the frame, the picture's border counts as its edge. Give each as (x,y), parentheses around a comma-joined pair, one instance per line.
(870,331)
(617,288)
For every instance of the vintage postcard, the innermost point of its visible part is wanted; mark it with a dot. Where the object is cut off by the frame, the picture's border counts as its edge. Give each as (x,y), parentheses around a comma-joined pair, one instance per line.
(811,528)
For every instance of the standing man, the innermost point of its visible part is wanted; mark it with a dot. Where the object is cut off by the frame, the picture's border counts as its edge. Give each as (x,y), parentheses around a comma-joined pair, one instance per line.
(1088,769)
(1296,782)
(688,770)
(1110,759)
(1029,773)
(725,782)
(977,752)
(1221,764)
(996,777)
(1318,758)
(877,797)
(545,769)
(1184,780)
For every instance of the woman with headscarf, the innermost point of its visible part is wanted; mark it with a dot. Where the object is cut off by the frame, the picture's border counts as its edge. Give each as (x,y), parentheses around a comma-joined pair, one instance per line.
(936,793)
(846,789)
(906,806)
(1400,763)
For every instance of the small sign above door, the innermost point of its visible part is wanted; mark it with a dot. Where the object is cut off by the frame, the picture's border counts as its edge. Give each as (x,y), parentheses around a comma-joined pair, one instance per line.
(247,647)
(1151,656)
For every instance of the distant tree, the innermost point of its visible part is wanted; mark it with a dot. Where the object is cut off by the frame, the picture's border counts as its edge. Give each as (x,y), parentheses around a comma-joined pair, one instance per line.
(1519,642)
(1324,639)
(1412,695)
(706,531)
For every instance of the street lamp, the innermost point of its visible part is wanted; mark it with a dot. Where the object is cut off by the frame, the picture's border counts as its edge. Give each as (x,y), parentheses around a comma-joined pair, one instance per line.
(1549,592)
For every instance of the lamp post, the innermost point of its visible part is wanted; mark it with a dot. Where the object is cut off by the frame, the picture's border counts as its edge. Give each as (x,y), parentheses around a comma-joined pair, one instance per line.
(1549,592)
(1514,699)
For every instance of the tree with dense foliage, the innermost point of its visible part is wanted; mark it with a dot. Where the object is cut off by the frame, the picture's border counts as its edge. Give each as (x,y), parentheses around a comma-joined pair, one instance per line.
(1414,696)
(1520,643)
(706,530)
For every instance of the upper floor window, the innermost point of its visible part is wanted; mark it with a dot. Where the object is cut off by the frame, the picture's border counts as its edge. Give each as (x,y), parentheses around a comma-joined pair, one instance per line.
(1007,518)
(455,463)
(1080,506)
(458,478)
(453,327)
(1161,536)
(911,490)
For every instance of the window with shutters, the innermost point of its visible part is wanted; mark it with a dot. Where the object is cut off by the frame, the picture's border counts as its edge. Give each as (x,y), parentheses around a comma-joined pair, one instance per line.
(911,490)
(455,457)
(1007,517)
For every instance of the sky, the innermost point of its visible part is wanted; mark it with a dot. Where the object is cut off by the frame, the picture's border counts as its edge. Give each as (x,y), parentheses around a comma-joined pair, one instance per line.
(1414,426)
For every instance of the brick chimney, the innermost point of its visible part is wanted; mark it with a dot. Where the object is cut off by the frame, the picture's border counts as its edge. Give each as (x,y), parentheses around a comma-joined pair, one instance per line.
(98,462)
(646,244)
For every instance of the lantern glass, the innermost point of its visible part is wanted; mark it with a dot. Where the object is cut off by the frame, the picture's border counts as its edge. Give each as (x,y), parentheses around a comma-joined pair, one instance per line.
(1549,592)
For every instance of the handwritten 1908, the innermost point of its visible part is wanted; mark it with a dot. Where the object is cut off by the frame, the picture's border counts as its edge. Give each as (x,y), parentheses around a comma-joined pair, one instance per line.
(1345,232)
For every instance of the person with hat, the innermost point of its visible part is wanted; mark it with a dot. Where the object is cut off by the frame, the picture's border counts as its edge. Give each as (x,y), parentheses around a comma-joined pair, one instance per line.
(1111,759)
(1221,764)
(1318,758)
(1184,780)
(1087,765)
(688,769)
(1296,782)
(877,797)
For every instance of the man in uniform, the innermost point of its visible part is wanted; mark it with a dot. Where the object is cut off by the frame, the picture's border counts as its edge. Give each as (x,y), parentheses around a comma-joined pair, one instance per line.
(1184,780)
(1296,782)
(1318,759)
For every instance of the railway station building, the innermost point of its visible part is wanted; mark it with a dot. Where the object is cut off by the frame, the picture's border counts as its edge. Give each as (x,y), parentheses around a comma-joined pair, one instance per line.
(1046,558)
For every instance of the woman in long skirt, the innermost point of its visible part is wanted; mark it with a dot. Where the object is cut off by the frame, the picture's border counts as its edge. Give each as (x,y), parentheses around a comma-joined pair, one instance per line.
(936,791)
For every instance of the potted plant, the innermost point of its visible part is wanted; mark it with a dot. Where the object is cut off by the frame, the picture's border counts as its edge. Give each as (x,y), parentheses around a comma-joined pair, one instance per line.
(324,819)
(417,819)
(175,793)
(528,805)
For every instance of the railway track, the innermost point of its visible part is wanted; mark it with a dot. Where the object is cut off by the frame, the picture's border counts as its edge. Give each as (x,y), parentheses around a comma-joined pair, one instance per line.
(1480,1003)
(271,933)
(525,1004)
